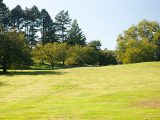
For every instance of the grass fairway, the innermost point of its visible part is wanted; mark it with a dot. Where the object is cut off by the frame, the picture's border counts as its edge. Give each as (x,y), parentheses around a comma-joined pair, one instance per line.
(123,92)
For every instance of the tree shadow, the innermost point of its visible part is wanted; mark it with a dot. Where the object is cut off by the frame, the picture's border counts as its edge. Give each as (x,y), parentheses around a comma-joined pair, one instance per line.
(57,66)
(2,84)
(32,72)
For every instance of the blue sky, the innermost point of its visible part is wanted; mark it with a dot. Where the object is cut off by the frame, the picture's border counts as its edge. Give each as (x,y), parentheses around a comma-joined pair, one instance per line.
(99,19)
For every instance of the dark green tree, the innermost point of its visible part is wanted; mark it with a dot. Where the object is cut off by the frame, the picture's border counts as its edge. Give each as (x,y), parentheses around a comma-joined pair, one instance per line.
(75,35)
(14,51)
(96,44)
(80,55)
(48,30)
(32,23)
(156,39)
(17,18)
(4,16)
(107,57)
(63,22)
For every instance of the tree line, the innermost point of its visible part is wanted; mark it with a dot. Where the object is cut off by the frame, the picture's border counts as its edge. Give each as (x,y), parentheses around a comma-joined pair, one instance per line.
(39,27)
(31,35)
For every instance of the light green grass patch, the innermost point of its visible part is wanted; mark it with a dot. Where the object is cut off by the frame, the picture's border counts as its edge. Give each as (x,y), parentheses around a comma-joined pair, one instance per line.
(102,93)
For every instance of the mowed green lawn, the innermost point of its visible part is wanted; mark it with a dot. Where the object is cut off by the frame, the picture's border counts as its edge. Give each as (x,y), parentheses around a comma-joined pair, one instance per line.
(122,92)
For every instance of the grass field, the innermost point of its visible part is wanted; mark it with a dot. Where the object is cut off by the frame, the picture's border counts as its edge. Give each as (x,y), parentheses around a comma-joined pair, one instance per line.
(122,92)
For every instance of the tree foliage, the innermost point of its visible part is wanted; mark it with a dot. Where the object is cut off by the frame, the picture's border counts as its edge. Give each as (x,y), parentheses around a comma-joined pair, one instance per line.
(48,30)
(107,57)
(78,55)
(4,16)
(51,53)
(75,35)
(139,43)
(17,18)
(14,51)
(63,22)
(96,44)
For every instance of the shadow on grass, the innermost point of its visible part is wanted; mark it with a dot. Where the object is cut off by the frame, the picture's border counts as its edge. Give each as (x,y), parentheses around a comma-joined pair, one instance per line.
(32,72)
(61,67)
(2,84)
(42,70)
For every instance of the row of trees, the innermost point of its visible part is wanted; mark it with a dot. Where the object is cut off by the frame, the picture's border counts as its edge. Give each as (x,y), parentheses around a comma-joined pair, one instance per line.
(31,35)
(140,43)
(39,27)
(55,53)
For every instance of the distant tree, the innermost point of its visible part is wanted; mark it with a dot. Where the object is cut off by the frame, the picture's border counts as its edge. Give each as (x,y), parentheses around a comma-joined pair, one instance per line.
(139,43)
(96,44)
(61,52)
(48,28)
(46,53)
(107,57)
(63,22)
(51,53)
(75,35)
(136,51)
(78,55)
(74,55)
(32,25)
(4,16)
(14,51)
(89,55)
(17,18)
(156,40)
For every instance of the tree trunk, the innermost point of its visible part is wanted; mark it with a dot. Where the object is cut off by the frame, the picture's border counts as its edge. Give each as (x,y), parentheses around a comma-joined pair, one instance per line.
(52,65)
(63,63)
(4,67)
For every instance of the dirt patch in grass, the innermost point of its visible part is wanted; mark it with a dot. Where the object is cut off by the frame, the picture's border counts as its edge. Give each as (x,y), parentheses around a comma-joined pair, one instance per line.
(148,104)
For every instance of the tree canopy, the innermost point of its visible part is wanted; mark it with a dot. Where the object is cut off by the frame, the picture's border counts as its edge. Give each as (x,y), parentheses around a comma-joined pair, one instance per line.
(14,51)
(139,43)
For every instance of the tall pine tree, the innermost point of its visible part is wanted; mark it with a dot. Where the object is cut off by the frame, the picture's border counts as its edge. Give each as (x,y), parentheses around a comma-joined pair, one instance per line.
(75,35)
(4,16)
(48,29)
(17,18)
(63,24)
(32,23)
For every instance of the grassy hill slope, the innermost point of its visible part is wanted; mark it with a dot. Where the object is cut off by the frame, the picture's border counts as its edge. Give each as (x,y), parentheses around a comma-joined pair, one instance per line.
(123,92)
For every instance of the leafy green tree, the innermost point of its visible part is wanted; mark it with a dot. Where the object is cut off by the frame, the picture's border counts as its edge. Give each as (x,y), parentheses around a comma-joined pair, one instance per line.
(137,51)
(148,50)
(139,43)
(63,22)
(74,55)
(51,53)
(14,51)
(156,39)
(89,55)
(107,57)
(61,52)
(75,35)
(147,29)
(78,55)
(46,53)
(48,28)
